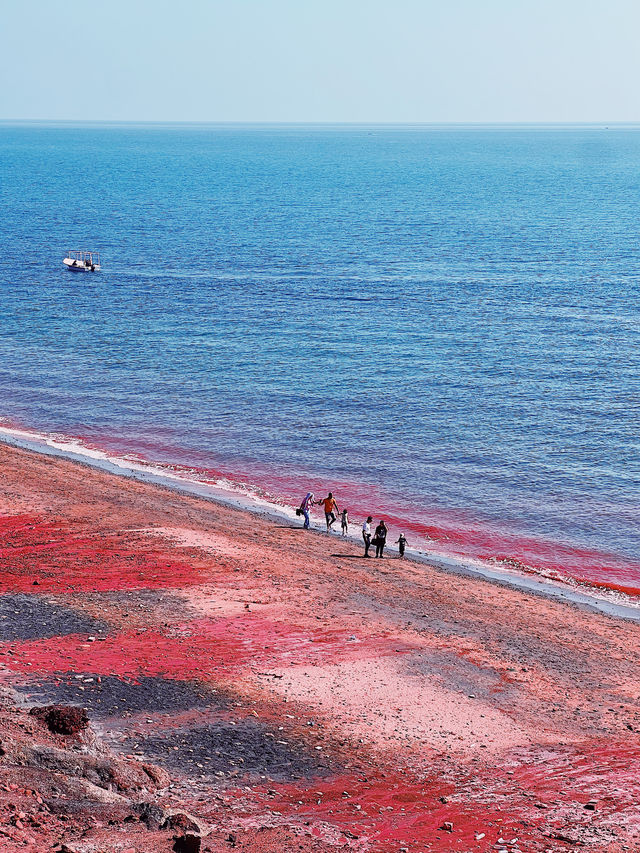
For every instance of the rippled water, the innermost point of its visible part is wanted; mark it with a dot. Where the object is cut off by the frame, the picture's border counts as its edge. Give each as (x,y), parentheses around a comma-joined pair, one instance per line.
(440,323)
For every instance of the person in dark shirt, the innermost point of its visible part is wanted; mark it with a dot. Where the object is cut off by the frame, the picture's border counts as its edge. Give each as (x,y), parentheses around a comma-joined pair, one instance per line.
(380,538)
(401,542)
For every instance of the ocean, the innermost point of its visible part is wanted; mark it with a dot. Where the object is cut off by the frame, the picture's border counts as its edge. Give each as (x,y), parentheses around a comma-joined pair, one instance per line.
(439,324)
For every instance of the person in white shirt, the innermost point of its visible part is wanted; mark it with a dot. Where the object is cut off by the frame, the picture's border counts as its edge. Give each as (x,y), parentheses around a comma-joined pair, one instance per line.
(366,535)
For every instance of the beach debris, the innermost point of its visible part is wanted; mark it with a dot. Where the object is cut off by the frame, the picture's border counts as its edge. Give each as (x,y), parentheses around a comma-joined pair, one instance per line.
(62,719)
(447,826)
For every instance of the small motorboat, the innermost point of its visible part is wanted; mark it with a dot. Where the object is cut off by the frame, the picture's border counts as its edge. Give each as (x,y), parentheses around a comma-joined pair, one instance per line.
(82,261)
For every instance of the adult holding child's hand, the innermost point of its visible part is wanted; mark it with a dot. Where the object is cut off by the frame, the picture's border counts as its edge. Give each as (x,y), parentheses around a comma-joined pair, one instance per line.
(329,506)
(307,502)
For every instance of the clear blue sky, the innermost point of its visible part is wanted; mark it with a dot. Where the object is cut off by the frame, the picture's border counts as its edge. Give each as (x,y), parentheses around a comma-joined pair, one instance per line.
(320,60)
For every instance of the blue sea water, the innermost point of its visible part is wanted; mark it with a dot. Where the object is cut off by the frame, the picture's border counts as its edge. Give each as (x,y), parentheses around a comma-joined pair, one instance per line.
(445,318)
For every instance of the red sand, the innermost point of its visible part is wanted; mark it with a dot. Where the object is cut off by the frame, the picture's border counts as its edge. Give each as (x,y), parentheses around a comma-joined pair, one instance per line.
(437,700)
(441,532)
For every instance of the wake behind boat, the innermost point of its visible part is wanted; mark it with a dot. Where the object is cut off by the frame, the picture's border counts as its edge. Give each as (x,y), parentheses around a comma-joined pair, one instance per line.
(80,260)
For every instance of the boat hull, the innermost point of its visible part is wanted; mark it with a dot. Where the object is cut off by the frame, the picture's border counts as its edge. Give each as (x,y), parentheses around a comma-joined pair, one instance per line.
(76,266)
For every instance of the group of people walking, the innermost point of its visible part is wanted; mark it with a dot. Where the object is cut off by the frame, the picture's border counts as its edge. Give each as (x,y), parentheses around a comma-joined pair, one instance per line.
(331,508)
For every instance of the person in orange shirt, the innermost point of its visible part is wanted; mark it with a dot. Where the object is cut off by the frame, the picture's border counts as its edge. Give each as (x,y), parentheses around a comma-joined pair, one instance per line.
(329,506)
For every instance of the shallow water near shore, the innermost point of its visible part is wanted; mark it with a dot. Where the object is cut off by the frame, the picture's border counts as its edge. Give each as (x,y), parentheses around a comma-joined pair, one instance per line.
(440,324)
(603,598)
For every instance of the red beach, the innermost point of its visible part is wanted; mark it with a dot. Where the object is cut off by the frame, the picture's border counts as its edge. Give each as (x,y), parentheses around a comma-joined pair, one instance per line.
(253,686)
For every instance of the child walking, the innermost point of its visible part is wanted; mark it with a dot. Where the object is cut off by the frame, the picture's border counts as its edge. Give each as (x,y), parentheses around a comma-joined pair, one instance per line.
(402,544)
(344,521)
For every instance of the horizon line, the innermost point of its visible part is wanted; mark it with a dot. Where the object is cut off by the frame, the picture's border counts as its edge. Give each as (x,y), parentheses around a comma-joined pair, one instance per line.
(251,123)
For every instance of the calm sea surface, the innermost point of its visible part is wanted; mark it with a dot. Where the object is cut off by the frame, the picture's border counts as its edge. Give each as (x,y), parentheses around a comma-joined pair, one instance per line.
(441,324)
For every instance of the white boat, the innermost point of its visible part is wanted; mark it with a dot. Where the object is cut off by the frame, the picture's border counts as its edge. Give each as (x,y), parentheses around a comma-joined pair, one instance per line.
(79,260)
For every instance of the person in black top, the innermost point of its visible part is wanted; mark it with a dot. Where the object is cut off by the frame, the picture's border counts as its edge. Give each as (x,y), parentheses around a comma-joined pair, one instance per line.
(401,542)
(380,538)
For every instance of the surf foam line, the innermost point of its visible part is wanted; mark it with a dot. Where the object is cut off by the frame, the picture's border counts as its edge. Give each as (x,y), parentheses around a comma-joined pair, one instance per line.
(615,604)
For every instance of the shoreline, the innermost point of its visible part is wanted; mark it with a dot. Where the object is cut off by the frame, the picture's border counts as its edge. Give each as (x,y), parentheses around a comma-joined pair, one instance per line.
(286,692)
(612,603)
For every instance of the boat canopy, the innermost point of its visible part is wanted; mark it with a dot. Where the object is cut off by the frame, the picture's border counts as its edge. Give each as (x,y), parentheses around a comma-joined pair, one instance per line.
(84,257)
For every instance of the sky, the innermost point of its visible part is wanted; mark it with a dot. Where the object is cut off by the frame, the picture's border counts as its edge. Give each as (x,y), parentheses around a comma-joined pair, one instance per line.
(362,61)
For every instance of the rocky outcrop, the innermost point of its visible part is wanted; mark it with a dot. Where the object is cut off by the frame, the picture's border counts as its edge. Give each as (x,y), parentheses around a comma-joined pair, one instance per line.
(62,719)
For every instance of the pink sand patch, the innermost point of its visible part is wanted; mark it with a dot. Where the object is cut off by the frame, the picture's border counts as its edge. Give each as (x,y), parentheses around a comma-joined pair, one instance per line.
(219,546)
(381,702)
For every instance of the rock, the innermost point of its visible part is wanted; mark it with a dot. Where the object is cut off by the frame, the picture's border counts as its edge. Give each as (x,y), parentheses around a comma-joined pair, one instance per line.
(178,819)
(157,775)
(62,719)
(569,839)
(591,805)
(109,773)
(151,815)
(447,826)
(188,843)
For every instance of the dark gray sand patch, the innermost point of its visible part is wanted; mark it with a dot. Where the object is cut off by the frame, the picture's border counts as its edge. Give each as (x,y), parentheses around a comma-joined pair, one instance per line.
(142,601)
(29,617)
(407,612)
(456,672)
(245,749)
(115,697)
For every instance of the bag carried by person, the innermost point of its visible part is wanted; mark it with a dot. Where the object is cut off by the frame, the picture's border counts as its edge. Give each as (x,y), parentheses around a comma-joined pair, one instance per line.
(299,511)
